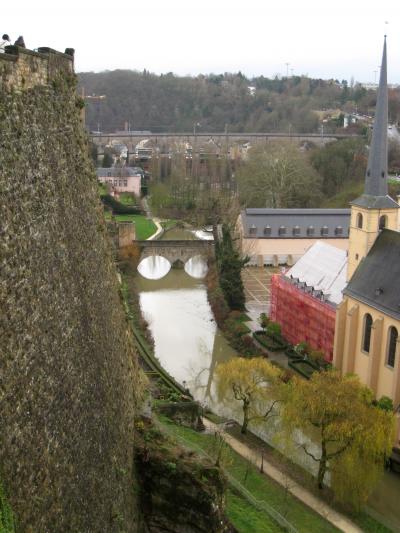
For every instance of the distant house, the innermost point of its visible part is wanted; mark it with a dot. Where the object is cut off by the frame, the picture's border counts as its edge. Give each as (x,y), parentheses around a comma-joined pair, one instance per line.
(282,236)
(121,179)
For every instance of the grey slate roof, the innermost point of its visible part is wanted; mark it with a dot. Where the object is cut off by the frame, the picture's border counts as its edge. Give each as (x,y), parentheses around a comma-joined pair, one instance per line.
(375,202)
(268,223)
(118,172)
(376,187)
(376,281)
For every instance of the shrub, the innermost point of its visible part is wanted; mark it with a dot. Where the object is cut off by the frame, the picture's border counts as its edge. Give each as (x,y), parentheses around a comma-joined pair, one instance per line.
(385,403)
(273,330)
(117,207)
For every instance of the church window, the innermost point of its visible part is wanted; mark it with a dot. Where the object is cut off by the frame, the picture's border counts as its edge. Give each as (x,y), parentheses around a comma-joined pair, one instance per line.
(367,332)
(359,220)
(382,222)
(392,342)
(282,230)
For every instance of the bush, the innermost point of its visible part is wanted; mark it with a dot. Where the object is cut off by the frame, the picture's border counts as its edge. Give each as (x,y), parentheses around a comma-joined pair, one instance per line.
(272,344)
(274,330)
(117,207)
(384,403)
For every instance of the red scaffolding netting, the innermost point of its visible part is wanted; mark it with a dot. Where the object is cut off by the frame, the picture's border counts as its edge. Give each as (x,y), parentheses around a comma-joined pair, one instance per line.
(302,317)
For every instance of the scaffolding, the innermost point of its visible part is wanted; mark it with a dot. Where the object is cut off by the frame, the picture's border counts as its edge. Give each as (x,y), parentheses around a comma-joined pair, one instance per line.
(302,316)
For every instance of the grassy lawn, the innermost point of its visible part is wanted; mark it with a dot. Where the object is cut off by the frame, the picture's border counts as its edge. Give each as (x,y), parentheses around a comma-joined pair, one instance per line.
(144,227)
(127,198)
(247,518)
(261,487)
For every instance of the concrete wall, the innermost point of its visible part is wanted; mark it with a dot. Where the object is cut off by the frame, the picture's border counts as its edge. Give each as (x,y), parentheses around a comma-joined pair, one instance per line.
(262,251)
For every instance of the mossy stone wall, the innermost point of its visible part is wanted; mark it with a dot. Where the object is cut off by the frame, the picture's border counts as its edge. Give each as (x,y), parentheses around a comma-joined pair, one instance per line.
(68,369)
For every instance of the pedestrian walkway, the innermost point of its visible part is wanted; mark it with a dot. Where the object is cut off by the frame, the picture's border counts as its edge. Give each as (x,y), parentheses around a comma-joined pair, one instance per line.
(257,289)
(334,517)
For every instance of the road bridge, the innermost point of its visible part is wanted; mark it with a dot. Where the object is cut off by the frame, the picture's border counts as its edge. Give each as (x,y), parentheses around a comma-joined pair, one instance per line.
(223,139)
(178,252)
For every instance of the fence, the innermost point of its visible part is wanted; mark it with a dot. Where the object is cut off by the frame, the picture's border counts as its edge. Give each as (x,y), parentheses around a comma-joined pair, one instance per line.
(302,317)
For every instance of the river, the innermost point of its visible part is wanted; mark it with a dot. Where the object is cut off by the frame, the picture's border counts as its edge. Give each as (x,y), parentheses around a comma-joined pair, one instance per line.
(190,347)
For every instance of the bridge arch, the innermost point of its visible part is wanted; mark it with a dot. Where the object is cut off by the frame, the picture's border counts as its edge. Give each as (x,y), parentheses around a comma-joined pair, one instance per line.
(177,252)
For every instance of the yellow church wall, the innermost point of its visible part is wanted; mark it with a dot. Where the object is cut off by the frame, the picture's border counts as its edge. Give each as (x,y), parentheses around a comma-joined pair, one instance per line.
(361,239)
(381,380)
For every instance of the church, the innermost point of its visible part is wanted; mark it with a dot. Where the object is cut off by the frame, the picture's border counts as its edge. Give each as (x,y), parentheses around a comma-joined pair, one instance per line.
(363,331)
(368,318)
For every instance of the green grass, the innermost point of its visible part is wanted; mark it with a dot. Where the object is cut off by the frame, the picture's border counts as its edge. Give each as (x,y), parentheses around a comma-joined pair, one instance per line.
(168,224)
(247,518)
(127,198)
(350,192)
(144,227)
(261,487)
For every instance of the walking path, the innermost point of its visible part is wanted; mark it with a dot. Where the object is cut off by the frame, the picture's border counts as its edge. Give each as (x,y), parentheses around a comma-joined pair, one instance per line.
(337,519)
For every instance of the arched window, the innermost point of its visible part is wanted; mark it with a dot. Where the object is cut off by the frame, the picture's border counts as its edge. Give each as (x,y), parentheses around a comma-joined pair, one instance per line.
(282,230)
(382,222)
(267,230)
(310,230)
(391,349)
(324,230)
(367,332)
(359,220)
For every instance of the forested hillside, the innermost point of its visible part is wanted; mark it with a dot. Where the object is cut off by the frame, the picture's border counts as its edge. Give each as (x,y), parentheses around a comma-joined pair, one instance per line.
(171,103)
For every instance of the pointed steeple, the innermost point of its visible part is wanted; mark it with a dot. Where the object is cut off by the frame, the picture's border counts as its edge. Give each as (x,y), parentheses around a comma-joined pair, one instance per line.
(376,187)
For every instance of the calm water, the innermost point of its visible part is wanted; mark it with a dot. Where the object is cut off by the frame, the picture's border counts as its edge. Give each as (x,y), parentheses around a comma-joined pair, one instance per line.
(190,347)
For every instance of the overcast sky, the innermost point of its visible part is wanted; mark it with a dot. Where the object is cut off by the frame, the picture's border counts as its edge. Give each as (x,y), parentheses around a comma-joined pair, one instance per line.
(338,39)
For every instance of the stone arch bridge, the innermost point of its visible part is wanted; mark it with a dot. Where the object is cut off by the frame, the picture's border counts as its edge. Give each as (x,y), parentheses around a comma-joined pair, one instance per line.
(178,252)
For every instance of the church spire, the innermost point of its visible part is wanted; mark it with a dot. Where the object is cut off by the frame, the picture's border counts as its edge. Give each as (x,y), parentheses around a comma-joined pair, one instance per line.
(376,176)
(376,188)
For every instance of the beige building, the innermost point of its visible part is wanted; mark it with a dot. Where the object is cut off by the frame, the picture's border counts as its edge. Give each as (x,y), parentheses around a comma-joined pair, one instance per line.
(368,319)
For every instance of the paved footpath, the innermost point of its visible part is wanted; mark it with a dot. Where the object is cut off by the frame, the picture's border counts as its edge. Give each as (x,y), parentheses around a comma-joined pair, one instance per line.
(337,519)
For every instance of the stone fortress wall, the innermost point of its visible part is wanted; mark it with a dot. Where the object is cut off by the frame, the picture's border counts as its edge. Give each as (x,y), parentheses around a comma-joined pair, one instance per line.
(69,376)
(22,69)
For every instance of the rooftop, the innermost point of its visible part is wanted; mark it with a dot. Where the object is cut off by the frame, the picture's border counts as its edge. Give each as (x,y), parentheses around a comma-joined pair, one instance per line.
(268,223)
(376,280)
(323,270)
(118,172)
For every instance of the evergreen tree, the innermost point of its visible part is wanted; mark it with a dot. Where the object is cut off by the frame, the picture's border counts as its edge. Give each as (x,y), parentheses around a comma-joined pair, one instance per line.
(230,265)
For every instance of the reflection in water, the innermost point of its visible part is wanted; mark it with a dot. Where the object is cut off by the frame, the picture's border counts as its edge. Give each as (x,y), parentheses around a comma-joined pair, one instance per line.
(187,341)
(196,267)
(154,267)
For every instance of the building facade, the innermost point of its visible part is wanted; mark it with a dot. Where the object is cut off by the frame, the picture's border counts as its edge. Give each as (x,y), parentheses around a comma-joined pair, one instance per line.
(368,319)
(121,179)
(282,236)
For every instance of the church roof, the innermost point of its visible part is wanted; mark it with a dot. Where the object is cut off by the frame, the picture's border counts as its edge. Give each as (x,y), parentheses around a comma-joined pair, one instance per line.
(376,188)
(323,268)
(269,223)
(376,281)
